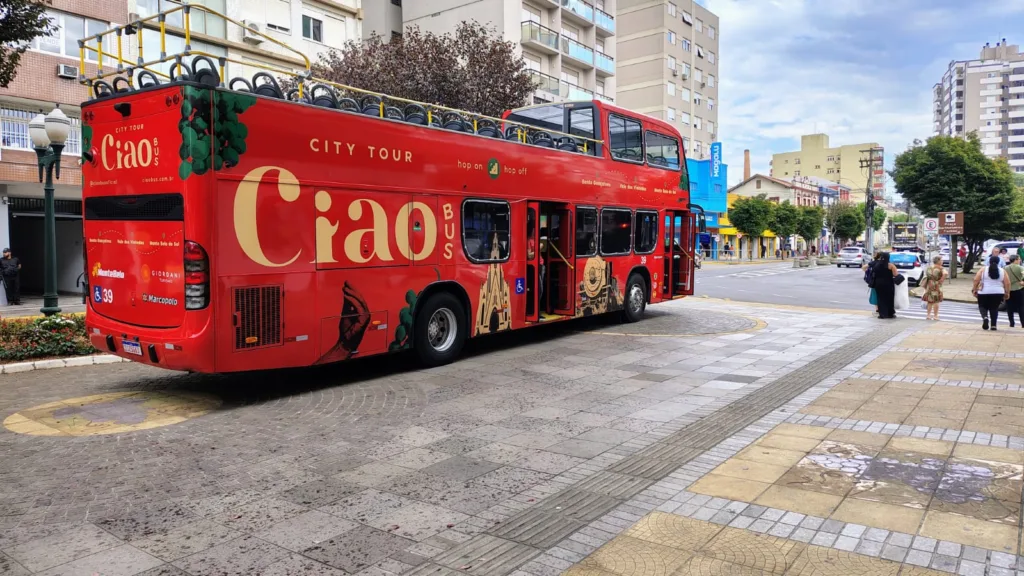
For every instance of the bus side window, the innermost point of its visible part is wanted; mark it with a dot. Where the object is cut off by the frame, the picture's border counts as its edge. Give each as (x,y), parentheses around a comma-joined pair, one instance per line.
(625,139)
(486,227)
(581,123)
(662,151)
(616,233)
(645,232)
(586,232)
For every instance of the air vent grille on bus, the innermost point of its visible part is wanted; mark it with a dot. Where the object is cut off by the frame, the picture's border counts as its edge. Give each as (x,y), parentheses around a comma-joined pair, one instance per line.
(257,317)
(144,207)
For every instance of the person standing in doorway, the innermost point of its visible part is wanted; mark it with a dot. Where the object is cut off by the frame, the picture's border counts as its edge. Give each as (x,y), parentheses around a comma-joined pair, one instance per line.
(10,269)
(764,251)
(1015,272)
(991,287)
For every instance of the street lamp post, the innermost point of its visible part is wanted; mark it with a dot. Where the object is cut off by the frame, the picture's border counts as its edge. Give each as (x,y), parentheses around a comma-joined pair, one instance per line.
(48,136)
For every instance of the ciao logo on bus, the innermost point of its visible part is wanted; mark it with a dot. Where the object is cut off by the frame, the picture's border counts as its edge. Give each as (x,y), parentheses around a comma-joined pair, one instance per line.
(117,154)
(359,245)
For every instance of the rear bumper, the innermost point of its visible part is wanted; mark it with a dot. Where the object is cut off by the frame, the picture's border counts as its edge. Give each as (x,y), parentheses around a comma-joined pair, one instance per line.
(189,347)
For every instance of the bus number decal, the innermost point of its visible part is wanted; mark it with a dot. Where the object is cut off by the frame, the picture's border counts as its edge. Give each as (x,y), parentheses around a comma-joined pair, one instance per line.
(643,260)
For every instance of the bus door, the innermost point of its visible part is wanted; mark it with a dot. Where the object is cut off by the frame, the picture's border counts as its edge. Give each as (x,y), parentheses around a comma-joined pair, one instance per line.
(560,292)
(532,277)
(678,245)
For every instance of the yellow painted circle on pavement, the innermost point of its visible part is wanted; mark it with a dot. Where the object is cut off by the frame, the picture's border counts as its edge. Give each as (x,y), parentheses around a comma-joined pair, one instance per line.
(111,413)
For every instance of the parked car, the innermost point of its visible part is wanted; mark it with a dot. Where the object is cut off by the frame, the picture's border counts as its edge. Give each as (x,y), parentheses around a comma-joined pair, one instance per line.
(851,256)
(1010,247)
(910,264)
(945,256)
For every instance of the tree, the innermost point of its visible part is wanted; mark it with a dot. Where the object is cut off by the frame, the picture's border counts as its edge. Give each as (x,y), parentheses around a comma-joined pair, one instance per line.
(809,226)
(21,21)
(844,222)
(901,217)
(879,215)
(472,69)
(785,221)
(751,216)
(947,174)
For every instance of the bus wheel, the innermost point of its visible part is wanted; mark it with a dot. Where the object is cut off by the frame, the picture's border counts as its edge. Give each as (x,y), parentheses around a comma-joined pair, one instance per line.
(636,299)
(439,330)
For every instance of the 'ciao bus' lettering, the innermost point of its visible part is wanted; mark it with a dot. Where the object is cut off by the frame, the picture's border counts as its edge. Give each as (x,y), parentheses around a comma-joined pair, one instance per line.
(118,155)
(360,245)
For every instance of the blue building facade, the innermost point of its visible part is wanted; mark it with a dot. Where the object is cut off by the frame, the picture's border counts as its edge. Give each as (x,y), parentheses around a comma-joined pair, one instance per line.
(708,188)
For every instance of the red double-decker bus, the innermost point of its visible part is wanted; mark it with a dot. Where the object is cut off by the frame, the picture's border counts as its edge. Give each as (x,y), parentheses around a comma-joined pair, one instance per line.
(230,230)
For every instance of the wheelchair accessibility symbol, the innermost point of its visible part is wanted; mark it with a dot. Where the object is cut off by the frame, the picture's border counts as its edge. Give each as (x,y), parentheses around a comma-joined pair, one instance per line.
(97,294)
(520,285)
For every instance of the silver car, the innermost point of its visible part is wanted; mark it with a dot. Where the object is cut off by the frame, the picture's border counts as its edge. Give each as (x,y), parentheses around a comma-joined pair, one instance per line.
(851,257)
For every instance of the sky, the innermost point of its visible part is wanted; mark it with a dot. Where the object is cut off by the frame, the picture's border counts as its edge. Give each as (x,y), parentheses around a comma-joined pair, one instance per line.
(857,70)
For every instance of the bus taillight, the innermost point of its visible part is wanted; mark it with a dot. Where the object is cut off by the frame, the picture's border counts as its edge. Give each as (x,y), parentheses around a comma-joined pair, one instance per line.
(197,277)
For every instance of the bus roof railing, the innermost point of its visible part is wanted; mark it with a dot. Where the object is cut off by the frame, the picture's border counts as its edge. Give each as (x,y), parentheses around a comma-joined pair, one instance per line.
(305,81)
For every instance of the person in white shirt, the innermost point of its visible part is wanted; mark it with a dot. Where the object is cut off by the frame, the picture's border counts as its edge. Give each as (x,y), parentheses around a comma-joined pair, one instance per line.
(991,287)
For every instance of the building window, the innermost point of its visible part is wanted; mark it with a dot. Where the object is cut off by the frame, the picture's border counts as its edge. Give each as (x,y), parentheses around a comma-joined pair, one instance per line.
(485,230)
(600,87)
(684,118)
(711,80)
(671,118)
(532,61)
(698,75)
(599,46)
(199,21)
(711,127)
(711,57)
(671,37)
(70,29)
(684,94)
(757,183)
(626,138)
(671,63)
(700,51)
(671,88)
(796,172)
(711,103)
(396,2)
(396,35)
(530,14)
(312,29)
(571,32)
(616,224)
(645,232)
(698,98)
(711,31)
(686,45)
(797,161)
(688,18)
(14,129)
(586,232)
(699,25)
(698,122)
(662,151)
(671,9)
(571,76)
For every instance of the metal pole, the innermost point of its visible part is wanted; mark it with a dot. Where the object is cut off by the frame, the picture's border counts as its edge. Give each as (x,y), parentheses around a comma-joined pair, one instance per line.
(50,304)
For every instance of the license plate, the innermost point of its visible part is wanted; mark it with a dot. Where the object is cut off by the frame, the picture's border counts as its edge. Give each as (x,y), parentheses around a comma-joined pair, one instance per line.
(131,347)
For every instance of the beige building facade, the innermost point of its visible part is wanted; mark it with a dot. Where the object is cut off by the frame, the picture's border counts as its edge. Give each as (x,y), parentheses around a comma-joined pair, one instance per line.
(839,164)
(669,68)
(568,45)
(986,96)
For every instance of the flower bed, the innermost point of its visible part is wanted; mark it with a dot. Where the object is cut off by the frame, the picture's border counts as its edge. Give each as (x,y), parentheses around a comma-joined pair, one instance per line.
(55,336)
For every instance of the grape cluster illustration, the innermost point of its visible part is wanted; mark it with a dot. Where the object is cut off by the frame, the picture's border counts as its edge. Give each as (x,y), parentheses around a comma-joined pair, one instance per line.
(403,333)
(202,123)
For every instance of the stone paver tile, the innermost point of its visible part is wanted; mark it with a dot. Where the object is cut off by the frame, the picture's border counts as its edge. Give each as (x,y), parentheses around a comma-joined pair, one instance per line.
(238,557)
(305,530)
(776,456)
(859,438)
(187,540)
(749,470)
(296,565)
(357,549)
(124,560)
(548,462)
(607,436)
(500,453)
(803,501)
(416,520)
(418,458)
(457,445)
(758,551)
(580,448)
(921,445)
(365,506)
(8,567)
(879,515)
(819,561)
(729,487)
(63,547)
(374,474)
(460,468)
(319,492)
(512,479)
(970,531)
(259,515)
(810,475)
(673,531)
(705,566)
(794,443)
(988,453)
(801,431)
(534,439)
(632,557)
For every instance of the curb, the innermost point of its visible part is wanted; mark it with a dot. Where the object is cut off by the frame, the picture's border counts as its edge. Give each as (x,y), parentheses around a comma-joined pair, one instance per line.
(19,367)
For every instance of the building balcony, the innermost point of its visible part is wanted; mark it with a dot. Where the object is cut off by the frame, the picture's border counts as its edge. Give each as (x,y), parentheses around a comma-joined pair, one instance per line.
(1016,162)
(546,83)
(549,3)
(564,90)
(1018,150)
(605,22)
(1016,113)
(581,53)
(996,80)
(540,38)
(578,11)
(574,92)
(997,91)
(1016,89)
(605,64)
(604,98)
(1017,102)
(1019,138)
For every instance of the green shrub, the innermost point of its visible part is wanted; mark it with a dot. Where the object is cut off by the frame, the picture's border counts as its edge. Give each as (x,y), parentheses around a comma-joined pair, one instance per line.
(24,339)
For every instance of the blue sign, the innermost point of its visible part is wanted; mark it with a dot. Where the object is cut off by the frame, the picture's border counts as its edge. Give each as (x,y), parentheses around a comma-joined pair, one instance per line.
(716,159)
(97,294)
(711,219)
(520,285)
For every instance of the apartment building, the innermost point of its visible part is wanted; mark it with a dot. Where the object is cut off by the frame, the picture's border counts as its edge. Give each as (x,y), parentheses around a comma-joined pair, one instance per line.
(841,164)
(48,75)
(383,18)
(668,67)
(568,45)
(986,96)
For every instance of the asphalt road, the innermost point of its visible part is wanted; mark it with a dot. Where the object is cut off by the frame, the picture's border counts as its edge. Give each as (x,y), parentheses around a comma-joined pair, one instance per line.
(819,287)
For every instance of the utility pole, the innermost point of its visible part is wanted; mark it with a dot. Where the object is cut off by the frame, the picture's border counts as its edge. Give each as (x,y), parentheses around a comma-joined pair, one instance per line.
(874,157)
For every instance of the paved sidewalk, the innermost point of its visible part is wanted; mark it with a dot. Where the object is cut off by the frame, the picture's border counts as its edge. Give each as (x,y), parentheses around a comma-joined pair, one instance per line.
(30,306)
(907,461)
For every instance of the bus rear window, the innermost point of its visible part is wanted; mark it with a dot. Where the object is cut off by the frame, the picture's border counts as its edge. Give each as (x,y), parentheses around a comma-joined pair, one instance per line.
(152,207)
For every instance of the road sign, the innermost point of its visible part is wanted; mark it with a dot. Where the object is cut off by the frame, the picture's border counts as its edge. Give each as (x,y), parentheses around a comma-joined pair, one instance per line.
(951,223)
(931,224)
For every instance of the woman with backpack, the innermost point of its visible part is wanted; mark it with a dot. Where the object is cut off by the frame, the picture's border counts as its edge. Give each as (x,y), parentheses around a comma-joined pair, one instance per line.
(868,271)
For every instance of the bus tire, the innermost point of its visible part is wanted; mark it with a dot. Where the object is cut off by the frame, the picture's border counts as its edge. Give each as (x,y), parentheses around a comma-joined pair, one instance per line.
(439,330)
(636,299)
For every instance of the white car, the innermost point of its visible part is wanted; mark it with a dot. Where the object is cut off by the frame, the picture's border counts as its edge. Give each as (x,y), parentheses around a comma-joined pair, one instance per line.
(851,257)
(910,265)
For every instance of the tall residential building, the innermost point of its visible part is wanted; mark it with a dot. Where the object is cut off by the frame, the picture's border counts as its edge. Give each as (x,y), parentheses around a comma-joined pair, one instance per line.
(840,164)
(48,76)
(383,18)
(668,67)
(569,45)
(985,95)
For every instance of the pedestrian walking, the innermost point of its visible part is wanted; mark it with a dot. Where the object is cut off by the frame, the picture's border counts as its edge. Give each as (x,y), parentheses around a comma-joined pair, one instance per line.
(869,273)
(10,270)
(1015,304)
(998,253)
(991,287)
(931,283)
(1020,252)
(883,281)
(764,251)
(728,251)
